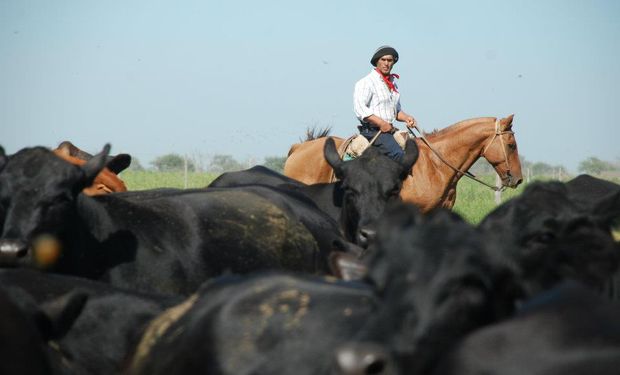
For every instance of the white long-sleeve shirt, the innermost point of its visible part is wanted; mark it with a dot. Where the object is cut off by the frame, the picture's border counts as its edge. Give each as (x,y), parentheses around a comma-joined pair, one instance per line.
(372,97)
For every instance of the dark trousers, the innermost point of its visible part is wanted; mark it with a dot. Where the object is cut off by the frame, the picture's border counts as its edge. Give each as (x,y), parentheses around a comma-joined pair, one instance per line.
(385,142)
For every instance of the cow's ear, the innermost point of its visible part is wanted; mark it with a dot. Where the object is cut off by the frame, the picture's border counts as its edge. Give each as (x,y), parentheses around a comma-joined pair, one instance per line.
(596,196)
(3,158)
(411,156)
(332,157)
(95,165)
(607,210)
(119,163)
(56,317)
(347,266)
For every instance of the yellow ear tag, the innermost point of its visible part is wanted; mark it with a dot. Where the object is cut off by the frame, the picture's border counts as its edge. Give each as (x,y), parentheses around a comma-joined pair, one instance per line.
(46,250)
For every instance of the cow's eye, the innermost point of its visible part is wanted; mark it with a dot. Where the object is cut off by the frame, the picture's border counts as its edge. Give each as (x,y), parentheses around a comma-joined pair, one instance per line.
(351,192)
(543,237)
(56,202)
(463,290)
(59,200)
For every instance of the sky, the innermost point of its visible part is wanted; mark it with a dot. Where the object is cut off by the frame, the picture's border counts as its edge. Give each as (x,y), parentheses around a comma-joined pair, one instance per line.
(247,78)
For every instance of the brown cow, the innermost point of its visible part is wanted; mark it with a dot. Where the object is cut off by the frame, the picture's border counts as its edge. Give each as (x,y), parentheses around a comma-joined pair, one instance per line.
(107,181)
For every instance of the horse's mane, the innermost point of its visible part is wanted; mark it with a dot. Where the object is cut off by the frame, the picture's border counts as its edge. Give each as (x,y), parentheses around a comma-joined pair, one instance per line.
(451,128)
(314,133)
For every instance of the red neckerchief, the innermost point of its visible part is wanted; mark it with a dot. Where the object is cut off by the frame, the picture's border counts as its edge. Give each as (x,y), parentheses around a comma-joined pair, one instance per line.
(387,80)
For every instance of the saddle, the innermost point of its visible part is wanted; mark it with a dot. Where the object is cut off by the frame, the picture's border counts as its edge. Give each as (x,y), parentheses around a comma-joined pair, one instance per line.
(355,145)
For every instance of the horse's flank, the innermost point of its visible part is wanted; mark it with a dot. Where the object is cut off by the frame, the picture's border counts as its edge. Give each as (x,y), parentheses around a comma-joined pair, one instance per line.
(432,183)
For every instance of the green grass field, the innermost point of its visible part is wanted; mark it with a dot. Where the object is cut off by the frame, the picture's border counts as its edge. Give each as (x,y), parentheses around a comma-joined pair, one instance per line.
(473,200)
(142,180)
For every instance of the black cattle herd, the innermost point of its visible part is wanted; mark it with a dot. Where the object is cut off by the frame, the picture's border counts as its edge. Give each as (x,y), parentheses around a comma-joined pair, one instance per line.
(261,274)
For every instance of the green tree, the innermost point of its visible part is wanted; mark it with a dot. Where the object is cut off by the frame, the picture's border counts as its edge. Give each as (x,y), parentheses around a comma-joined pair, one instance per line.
(542,169)
(172,162)
(524,162)
(135,165)
(275,163)
(593,165)
(224,163)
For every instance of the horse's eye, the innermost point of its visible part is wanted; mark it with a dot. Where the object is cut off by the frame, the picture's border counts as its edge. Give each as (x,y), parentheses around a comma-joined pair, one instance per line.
(512,146)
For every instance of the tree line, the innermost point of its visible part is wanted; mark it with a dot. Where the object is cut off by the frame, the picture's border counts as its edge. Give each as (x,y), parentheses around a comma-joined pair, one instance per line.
(200,163)
(227,163)
(591,165)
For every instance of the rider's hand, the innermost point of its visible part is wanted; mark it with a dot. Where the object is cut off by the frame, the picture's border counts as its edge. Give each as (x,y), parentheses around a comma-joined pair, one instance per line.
(386,127)
(411,122)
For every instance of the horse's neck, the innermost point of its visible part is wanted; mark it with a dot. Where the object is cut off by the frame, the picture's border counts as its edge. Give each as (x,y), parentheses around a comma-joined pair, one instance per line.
(462,144)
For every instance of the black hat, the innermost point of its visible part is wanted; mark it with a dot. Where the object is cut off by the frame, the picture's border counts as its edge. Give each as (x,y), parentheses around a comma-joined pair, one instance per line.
(382,51)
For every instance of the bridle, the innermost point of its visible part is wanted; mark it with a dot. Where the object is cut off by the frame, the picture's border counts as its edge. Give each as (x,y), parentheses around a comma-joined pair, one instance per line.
(498,134)
(467,173)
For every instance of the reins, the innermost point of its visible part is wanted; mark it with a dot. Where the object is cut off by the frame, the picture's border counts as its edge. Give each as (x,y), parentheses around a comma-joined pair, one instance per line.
(467,173)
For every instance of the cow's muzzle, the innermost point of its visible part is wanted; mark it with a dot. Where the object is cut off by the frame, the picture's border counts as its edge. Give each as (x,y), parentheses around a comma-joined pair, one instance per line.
(11,251)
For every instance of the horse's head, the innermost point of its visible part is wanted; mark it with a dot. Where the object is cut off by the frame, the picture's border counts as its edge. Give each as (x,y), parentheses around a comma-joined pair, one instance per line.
(501,152)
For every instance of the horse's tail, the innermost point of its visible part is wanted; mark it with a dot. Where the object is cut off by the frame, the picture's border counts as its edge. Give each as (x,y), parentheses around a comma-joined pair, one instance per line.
(314,133)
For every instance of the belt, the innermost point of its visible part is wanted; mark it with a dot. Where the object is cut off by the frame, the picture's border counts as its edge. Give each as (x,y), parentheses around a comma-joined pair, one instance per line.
(367,126)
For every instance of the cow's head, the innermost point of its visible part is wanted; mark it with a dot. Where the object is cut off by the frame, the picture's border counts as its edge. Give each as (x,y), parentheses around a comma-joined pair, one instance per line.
(369,183)
(550,237)
(37,201)
(435,274)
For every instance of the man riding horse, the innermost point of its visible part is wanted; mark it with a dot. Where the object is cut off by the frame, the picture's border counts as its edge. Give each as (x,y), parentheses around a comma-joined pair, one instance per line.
(376,102)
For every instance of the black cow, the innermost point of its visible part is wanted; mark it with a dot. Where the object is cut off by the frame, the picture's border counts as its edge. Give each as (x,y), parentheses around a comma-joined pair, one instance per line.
(584,190)
(165,240)
(22,347)
(256,175)
(550,237)
(365,186)
(29,329)
(568,330)
(429,283)
(101,325)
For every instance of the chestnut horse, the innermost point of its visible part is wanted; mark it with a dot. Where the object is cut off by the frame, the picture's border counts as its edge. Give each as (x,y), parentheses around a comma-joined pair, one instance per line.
(107,181)
(432,181)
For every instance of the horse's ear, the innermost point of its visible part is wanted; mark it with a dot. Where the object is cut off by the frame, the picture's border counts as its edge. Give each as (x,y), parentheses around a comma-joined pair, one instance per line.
(506,122)
(411,156)
(63,149)
(332,157)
